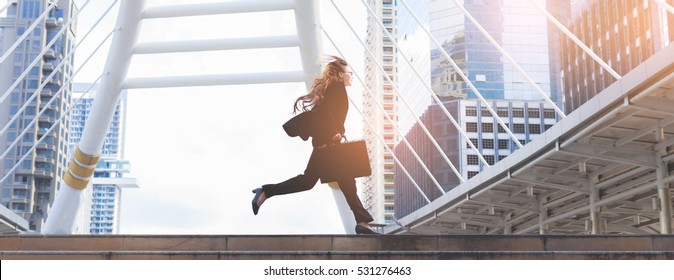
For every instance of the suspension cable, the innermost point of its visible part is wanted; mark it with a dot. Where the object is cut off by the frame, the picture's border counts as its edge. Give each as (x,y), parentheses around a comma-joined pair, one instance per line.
(39,56)
(385,114)
(372,126)
(58,67)
(46,106)
(50,130)
(575,39)
(463,76)
(428,88)
(397,90)
(9,3)
(507,56)
(28,31)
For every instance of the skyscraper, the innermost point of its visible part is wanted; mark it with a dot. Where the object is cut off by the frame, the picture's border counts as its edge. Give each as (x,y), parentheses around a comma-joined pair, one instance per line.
(524,33)
(623,33)
(526,118)
(102,214)
(29,190)
(517,26)
(379,192)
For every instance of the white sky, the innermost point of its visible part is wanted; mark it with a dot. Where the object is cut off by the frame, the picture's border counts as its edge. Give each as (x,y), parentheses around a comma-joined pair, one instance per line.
(197,152)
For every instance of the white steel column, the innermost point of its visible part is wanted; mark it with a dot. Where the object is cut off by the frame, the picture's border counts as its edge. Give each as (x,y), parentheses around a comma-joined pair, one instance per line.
(595,215)
(542,217)
(308,21)
(61,220)
(663,187)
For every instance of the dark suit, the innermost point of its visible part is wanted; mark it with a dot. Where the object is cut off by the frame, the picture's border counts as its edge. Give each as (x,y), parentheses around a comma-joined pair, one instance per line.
(321,123)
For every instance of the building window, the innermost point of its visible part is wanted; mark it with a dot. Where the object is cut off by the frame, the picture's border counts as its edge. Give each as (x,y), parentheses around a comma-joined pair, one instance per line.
(518,113)
(534,113)
(471,111)
(534,128)
(487,127)
(502,112)
(472,174)
(471,127)
(472,160)
(485,112)
(518,128)
(501,129)
(503,144)
(474,141)
(487,143)
(489,159)
(549,114)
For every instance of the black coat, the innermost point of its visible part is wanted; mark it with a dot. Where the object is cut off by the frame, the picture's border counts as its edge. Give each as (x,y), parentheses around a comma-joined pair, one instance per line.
(323,121)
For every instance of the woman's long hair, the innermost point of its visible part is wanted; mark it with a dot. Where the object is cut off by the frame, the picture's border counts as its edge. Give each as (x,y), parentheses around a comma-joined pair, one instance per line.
(320,85)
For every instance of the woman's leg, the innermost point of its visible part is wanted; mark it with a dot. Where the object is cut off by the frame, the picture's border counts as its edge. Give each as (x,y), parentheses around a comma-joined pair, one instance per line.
(299,183)
(348,187)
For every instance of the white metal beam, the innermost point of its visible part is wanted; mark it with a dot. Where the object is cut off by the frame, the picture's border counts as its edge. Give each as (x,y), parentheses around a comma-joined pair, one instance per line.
(66,205)
(213,80)
(218,8)
(217,44)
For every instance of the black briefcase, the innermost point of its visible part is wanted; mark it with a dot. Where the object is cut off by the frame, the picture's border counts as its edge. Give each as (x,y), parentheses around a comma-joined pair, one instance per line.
(345,160)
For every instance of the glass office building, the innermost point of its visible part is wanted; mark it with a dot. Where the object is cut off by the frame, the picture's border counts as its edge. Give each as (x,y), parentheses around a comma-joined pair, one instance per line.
(516,25)
(526,119)
(524,33)
(33,180)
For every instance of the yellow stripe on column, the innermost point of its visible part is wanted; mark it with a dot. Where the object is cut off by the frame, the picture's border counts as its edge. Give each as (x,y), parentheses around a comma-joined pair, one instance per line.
(74,182)
(86,159)
(81,171)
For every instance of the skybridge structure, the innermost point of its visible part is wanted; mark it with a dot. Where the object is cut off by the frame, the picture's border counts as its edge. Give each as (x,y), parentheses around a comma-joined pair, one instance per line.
(605,168)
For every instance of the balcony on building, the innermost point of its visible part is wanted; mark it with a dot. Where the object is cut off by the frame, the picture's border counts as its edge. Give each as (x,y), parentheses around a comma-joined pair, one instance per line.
(43,172)
(55,81)
(48,67)
(20,186)
(44,157)
(20,199)
(46,92)
(52,106)
(52,22)
(46,146)
(50,54)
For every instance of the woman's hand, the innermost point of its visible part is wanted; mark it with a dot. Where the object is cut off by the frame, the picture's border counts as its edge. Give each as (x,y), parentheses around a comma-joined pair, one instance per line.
(337,138)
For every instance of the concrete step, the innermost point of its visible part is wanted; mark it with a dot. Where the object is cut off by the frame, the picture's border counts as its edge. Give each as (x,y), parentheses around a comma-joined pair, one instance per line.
(344,247)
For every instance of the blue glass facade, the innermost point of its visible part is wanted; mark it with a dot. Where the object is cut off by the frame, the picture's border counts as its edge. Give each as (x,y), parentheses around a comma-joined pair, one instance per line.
(515,25)
(520,29)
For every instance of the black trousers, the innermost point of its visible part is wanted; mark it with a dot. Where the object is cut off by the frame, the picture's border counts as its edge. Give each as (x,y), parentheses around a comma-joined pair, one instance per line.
(307,181)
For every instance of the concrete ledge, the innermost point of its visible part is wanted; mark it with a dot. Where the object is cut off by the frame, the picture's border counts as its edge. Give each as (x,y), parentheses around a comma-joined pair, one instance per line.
(338,247)
(336,255)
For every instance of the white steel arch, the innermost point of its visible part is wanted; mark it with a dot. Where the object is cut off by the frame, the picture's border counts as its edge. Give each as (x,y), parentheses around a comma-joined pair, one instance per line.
(81,167)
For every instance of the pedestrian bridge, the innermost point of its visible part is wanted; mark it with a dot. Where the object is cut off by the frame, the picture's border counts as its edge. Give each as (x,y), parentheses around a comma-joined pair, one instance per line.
(336,247)
(605,168)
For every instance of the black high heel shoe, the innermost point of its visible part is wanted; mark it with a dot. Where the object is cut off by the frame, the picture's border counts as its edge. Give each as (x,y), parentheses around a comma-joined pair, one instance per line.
(364,230)
(257,193)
